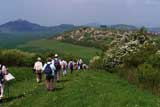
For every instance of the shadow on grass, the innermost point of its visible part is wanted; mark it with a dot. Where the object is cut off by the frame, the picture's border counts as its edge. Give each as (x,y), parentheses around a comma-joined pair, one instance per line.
(58,88)
(9,99)
(61,81)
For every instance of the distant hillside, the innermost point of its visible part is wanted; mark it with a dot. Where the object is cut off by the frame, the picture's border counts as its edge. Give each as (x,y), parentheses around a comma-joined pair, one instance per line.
(26,26)
(93,24)
(154,29)
(94,37)
(117,26)
(123,27)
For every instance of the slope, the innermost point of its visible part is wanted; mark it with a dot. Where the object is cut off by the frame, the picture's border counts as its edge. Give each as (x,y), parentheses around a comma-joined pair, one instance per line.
(61,47)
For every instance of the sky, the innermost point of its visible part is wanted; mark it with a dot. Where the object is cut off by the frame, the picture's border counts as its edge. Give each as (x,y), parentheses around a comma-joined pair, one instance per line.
(79,12)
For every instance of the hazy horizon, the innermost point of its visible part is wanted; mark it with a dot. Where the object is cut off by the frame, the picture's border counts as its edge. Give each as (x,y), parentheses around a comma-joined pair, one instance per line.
(79,12)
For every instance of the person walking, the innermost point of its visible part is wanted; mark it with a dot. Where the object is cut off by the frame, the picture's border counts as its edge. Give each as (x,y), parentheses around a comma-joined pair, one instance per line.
(49,70)
(64,67)
(38,66)
(81,64)
(3,72)
(57,64)
(71,66)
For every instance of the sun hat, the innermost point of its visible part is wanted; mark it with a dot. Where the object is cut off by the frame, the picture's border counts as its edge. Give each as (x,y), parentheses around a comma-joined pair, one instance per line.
(39,59)
(56,55)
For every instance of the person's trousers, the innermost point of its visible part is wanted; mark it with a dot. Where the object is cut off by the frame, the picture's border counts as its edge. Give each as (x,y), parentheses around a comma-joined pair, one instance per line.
(71,70)
(50,82)
(57,75)
(39,77)
(64,72)
(1,90)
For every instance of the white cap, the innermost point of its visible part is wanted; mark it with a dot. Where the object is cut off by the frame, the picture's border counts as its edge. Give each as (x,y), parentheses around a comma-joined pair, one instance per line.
(56,55)
(39,59)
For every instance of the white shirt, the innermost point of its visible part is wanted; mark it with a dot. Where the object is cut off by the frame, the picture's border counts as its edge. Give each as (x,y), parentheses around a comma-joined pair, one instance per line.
(63,63)
(38,66)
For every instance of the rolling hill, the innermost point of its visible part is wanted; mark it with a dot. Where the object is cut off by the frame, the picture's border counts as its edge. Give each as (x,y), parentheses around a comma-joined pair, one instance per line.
(123,27)
(90,36)
(20,31)
(26,26)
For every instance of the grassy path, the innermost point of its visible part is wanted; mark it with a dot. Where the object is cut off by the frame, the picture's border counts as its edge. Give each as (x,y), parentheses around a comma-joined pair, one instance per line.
(82,89)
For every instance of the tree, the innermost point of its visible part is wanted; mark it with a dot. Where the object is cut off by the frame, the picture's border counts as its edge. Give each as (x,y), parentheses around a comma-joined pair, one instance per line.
(143,30)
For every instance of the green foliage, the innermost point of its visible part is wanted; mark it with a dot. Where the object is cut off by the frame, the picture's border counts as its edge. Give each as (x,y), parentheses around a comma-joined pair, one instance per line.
(154,60)
(142,68)
(147,73)
(145,55)
(149,76)
(143,30)
(87,42)
(96,63)
(16,58)
(109,64)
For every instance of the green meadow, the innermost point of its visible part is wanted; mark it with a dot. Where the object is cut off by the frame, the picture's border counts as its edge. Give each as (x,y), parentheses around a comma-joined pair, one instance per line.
(82,89)
(61,47)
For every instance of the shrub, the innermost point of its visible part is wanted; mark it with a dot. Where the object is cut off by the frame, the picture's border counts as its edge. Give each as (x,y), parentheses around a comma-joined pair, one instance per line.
(154,60)
(148,75)
(16,58)
(96,63)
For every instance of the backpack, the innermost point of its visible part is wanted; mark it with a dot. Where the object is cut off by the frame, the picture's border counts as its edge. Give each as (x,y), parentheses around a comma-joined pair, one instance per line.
(48,70)
(57,64)
(71,65)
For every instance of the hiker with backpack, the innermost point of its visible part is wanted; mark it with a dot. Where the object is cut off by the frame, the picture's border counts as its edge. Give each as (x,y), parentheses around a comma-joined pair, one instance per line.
(3,72)
(64,67)
(71,66)
(78,65)
(38,66)
(57,64)
(49,70)
(81,64)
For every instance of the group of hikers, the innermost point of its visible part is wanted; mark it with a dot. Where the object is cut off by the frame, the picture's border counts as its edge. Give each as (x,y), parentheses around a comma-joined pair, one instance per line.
(52,69)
